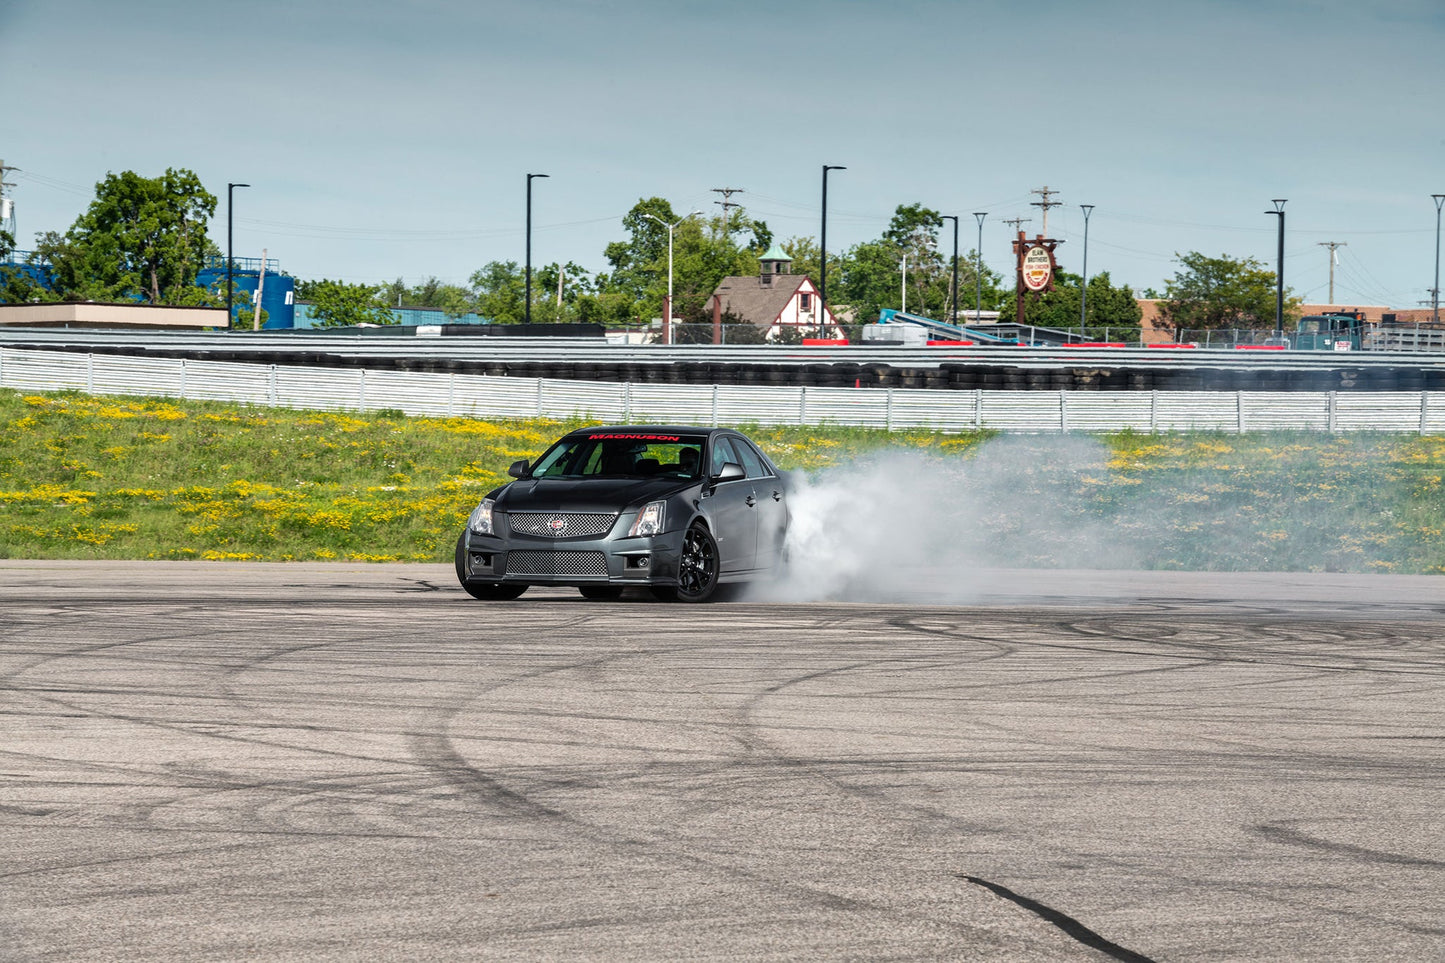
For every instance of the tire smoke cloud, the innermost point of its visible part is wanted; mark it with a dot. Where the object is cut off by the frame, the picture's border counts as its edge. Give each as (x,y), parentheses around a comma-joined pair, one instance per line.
(876,529)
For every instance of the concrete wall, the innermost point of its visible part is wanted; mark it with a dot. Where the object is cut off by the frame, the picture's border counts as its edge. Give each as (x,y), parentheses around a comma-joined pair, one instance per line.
(88,314)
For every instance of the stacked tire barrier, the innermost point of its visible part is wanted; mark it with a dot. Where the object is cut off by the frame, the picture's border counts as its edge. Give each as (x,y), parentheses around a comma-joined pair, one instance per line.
(464,393)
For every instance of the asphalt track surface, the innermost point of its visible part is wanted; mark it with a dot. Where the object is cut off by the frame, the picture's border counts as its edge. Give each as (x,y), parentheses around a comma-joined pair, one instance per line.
(343,762)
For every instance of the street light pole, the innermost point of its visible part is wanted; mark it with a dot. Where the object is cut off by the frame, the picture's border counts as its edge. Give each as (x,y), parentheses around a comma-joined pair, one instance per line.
(529,244)
(954,289)
(1279,203)
(1439,199)
(1084,289)
(823,250)
(667,309)
(230,202)
(978,269)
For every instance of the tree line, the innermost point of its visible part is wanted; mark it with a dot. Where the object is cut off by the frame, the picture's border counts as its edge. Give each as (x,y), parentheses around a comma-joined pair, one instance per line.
(144,240)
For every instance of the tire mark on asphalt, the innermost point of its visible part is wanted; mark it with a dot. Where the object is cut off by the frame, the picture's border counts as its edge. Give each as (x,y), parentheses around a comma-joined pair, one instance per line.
(1075,929)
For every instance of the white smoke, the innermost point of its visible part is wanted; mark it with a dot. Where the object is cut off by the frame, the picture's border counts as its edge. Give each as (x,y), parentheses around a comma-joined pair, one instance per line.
(903,524)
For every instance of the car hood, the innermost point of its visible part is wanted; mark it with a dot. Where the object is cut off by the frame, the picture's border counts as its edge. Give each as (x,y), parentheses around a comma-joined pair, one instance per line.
(584,494)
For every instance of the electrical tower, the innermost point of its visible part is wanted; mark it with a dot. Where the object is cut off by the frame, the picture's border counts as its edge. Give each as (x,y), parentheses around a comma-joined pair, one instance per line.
(1334,259)
(725,203)
(1045,192)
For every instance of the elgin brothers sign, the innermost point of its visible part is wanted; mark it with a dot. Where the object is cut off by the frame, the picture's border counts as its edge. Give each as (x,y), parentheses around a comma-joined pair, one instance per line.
(1035,269)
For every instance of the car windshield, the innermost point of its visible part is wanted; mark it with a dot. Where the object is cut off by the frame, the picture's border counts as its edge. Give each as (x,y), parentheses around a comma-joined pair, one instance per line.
(618,454)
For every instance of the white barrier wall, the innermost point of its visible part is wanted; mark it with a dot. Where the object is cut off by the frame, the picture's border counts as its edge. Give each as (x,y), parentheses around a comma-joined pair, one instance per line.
(422,393)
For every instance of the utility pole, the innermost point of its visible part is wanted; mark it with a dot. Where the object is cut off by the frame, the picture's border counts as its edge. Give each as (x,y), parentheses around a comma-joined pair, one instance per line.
(1045,192)
(1017,222)
(726,203)
(7,205)
(1334,259)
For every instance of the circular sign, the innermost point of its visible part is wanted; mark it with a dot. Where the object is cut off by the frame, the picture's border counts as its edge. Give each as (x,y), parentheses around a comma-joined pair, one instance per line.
(1038,268)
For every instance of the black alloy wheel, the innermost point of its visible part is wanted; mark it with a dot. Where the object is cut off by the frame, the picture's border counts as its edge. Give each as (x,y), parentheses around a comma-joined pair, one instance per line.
(697,570)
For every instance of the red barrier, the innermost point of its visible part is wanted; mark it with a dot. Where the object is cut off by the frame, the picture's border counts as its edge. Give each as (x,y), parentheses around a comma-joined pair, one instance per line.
(824,342)
(950,344)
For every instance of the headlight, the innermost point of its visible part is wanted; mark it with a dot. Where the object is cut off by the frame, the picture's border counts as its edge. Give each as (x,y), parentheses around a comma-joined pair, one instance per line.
(650,520)
(480,521)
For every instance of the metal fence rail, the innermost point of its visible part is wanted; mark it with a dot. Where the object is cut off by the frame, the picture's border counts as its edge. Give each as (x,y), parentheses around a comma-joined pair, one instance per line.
(453,394)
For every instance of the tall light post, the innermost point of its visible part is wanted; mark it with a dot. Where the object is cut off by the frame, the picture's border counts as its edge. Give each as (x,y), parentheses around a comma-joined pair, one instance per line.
(823,250)
(1279,203)
(667,310)
(1435,291)
(954,289)
(230,202)
(529,243)
(978,269)
(1084,289)
(903,270)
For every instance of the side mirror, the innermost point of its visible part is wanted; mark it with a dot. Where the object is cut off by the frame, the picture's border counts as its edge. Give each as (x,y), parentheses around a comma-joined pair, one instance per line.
(518,469)
(731,471)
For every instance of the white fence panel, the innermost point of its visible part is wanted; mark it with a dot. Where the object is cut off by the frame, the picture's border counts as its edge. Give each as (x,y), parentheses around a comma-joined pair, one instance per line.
(482,396)
(758,406)
(1384,411)
(229,381)
(1272,410)
(586,399)
(486,396)
(1102,410)
(671,404)
(328,389)
(1195,410)
(44,370)
(865,407)
(1023,411)
(111,375)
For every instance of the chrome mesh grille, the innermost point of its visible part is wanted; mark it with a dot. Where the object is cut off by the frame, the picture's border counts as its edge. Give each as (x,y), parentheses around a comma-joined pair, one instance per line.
(561,524)
(542,562)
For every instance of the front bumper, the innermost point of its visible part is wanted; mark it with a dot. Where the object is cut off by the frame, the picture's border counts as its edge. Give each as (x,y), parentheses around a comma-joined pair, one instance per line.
(603,560)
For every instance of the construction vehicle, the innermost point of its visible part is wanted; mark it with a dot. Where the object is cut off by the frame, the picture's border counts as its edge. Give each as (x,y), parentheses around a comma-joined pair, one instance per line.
(1336,331)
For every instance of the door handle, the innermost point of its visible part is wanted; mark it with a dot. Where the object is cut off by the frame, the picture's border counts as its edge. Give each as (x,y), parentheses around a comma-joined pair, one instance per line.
(751,500)
(777,495)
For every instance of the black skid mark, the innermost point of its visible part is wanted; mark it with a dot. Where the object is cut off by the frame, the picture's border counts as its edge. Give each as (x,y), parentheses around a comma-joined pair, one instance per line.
(1063,921)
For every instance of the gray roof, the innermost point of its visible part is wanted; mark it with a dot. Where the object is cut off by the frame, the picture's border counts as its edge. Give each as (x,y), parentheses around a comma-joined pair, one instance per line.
(752,300)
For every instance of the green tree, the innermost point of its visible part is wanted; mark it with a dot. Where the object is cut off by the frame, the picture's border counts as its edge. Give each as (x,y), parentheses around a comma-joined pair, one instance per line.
(453,300)
(1211,293)
(336,304)
(499,292)
(142,238)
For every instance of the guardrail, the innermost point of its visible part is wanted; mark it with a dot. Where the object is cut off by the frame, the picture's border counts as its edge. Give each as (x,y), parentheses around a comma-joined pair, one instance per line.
(454,394)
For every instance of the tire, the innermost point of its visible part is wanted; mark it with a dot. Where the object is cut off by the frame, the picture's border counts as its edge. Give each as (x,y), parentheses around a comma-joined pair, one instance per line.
(600,593)
(697,569)
(477,590)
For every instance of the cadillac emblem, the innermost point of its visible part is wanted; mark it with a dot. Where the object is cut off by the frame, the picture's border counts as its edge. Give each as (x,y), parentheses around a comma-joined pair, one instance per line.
(556,525)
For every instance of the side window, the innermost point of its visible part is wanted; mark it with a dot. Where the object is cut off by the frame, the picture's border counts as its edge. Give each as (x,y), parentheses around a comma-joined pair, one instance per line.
(751,460)
(722,453)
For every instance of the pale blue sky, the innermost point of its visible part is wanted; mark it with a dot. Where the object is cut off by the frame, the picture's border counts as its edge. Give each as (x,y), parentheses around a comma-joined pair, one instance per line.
(393,139)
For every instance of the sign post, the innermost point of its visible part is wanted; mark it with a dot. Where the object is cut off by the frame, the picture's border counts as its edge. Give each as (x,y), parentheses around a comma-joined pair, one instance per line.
(1035,268)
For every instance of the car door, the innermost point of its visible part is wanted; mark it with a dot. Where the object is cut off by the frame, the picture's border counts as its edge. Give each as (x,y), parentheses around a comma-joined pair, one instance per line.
(730,507)
(770,504)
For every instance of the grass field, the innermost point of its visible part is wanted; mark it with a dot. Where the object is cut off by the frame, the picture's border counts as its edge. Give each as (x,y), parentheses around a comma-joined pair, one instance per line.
(132,478)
